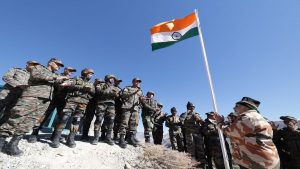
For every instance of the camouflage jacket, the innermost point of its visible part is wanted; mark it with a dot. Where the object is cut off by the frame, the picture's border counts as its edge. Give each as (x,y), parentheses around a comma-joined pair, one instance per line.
(131,98)
(80,90)
(149,106)
(191,121)
(252,136)
(288,143)
(173,123)
(60,92)
(40,83)
(209,130)
(106,93)
(159,118)
(16,77)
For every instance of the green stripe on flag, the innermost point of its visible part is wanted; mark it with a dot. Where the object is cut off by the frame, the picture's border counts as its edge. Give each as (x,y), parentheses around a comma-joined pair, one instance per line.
(188,34)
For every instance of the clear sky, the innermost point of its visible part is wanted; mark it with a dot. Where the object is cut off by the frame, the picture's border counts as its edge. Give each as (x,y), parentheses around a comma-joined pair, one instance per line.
(252,47)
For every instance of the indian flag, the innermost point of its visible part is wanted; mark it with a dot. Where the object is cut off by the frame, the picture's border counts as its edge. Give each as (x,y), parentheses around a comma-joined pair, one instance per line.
(168,33)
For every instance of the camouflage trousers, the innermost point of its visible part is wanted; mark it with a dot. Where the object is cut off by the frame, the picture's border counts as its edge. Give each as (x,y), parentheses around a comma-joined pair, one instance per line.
(195,145)
(8,99)
(26,114)
(72,110)
(176,139)
(148,124)
(88,117)
(130,121)
(117,121)
(157,134)
(105,112)
(214,153)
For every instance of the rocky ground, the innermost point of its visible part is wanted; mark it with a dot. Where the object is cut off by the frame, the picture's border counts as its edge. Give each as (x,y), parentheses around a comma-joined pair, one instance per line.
(84,156)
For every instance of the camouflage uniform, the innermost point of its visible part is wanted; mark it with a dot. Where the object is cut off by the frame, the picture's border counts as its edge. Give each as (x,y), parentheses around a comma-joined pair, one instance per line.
(11,92)
(213,146)
(194,139)
(158,120)
(131,106)
(81,90)
(252,136)
(149,106)
(105,109)
(32,104)
(288,146)
(118,110)
(175,134)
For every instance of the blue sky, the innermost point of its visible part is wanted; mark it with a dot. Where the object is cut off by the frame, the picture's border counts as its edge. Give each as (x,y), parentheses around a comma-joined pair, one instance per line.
(252,47)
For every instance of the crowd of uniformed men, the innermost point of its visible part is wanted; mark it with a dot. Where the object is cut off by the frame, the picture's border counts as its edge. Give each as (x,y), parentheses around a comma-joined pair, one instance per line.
(30,95)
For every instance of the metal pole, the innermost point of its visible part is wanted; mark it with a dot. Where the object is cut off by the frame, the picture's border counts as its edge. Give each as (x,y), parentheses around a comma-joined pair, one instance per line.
(224,152)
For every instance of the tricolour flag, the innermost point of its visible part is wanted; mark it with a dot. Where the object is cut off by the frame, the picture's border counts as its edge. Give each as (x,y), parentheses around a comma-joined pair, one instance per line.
(168,33)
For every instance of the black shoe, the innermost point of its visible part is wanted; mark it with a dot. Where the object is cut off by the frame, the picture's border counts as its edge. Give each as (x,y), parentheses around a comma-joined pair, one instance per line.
(70,141)
(147,139)
(2,143)
(12,147)
(56,139)
(102,137)
(96,137)
(108,139)
(122,142)
(131,139)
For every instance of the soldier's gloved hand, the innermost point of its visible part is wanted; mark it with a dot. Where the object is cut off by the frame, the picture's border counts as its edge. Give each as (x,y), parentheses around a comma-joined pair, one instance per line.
(60,79)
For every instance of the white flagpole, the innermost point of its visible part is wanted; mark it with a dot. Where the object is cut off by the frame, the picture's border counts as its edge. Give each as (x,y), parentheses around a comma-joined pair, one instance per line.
(225,157)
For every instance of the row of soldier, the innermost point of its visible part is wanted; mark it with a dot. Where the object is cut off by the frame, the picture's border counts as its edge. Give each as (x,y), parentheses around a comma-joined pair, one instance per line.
(30,95)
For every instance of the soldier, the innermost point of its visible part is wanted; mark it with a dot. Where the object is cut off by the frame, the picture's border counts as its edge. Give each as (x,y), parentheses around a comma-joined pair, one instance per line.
(32,104)
(158,120)
(287,141)
(118,107)
(253,137)
(81,91)
(16,79)
(212,143)
(194,141)
(149,107)
(131,96)
(90,112)
(105,109)
(175,134)
(58,102)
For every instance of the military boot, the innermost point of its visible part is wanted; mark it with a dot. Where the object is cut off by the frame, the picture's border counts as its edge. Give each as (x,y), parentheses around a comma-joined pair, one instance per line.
(56,138)
(12,147)
(2,142)
(131,139)
(102,138)
(33,137)
(122,142)
(135,138)
(147,139)
(108,139)
(116,136)
(96,137)
(71,140)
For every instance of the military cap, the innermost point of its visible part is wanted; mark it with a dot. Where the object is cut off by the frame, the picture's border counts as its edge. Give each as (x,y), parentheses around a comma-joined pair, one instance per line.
(210,113)
(288,118)
(109,76)
(70,69)
(86,71)
(248,104)
(57,61)
(160,105)
(256,102)
(33,62)
(189,104)
(99,80)
(173,109)
(118,80)
(136,79)
(150,92)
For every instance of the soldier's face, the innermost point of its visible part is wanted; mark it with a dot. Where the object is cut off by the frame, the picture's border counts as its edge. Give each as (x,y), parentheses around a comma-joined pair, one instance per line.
(174,113)
(67,72)
(240,108)
(29,67)
(89,75)
(150,95)
(290,123)
(111,80)
(54,66)
(136,84)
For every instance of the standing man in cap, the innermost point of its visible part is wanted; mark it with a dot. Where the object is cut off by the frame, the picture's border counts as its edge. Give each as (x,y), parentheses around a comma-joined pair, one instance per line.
(58,102)
(81,90)
(158,118)
(90,112)
(32,104)
(287,141)
(253,135)
(149,107)
(131,96)
(212,143)
(16,79)
(175,134)
(105,109)
(194,141)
